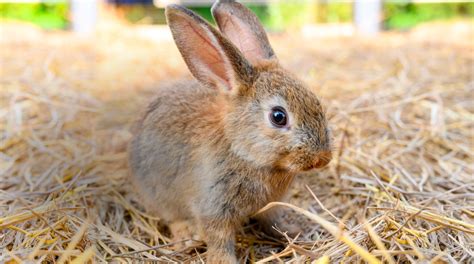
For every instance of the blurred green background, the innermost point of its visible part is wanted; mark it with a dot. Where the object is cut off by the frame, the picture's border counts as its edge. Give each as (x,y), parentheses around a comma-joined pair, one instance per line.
(275,16)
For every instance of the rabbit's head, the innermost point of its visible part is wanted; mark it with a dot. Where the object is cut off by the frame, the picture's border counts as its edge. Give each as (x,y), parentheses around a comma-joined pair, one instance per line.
(271,118)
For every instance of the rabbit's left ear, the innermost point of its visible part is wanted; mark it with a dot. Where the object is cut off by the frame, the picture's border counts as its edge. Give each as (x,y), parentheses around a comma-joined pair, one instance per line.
(243,29)
(211,58)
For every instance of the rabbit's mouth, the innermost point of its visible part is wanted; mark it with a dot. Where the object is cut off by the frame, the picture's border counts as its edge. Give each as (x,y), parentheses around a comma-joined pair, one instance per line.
(320,161)
(305,163)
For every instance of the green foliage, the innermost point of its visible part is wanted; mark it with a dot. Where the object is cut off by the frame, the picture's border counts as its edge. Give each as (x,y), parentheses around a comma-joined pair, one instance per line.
(204,11)
(277,15)
(339,12)
(145,14)
(288,14)
(406,15)
(49,16)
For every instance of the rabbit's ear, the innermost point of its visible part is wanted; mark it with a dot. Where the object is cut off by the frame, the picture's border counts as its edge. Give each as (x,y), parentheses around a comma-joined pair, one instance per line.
(242,27)
(210,57)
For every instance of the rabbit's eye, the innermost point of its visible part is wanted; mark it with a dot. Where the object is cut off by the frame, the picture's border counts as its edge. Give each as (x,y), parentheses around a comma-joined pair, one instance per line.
(278,116)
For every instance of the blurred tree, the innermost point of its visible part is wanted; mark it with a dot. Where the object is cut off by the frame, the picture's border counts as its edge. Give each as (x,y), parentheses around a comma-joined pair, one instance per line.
(45,15)
(276,15)
(406,15)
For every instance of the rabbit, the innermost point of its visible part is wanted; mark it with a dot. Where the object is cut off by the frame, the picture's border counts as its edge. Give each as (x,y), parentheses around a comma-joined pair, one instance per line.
(212,151)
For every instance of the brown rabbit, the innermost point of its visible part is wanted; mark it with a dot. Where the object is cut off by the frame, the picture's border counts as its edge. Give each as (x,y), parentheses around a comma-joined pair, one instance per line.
(216,150)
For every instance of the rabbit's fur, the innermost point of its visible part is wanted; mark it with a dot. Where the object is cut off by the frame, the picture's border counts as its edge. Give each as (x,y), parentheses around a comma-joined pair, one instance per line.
(205,150)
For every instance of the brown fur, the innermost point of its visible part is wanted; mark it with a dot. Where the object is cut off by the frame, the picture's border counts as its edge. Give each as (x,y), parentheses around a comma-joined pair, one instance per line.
(205,152)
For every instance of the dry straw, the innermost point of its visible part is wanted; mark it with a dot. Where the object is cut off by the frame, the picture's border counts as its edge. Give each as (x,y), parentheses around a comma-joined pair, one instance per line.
(400,188)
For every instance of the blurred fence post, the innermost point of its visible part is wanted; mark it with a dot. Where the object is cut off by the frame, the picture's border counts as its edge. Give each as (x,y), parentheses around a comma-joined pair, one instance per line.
(84,15)
(367,16)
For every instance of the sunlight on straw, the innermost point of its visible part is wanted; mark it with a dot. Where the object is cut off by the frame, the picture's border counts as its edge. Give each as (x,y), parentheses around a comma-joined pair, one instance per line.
(73,243)
(323,260)
(329,227)
(378,242)
(87,255)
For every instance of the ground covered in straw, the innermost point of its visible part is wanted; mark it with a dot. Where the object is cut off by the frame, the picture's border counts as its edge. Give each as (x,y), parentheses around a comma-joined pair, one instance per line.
(400,188)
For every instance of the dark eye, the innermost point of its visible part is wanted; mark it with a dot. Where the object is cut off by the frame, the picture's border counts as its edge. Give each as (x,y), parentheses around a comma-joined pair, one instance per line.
(278,116)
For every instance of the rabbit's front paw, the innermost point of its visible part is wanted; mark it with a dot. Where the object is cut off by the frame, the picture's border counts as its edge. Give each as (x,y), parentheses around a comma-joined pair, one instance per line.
(277,221)
(184,236)
(220,257)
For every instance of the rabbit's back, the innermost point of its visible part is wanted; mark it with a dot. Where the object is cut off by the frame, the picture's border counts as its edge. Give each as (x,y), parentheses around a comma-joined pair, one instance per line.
(182,116)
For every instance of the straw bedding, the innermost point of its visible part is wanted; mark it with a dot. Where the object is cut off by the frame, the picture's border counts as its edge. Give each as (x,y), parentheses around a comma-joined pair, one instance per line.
(399,189)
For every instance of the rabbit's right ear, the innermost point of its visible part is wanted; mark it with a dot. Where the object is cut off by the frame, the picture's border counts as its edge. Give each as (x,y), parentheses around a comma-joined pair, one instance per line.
(244,29)
(210,57)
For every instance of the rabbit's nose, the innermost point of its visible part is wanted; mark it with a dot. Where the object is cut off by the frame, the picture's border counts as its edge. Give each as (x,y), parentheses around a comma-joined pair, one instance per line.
(322,159)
